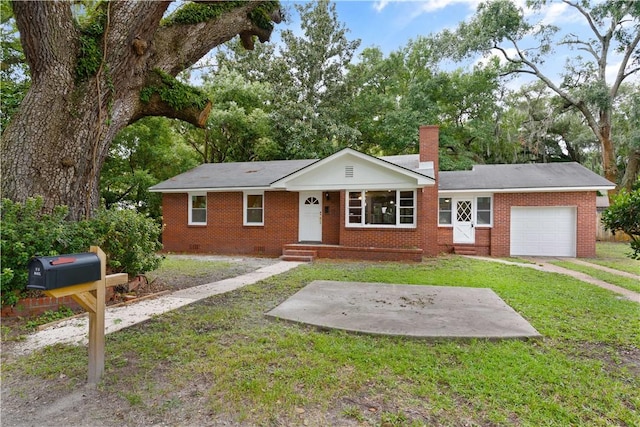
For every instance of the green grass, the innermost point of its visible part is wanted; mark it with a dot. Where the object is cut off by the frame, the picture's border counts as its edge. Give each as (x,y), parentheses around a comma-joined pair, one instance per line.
(614,279)
(614,255)
(223,357)
(188,267)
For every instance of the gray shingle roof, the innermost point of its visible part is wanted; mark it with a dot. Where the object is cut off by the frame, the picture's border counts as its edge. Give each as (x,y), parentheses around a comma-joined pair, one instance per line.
(481,178)
(522,176)
(232,175)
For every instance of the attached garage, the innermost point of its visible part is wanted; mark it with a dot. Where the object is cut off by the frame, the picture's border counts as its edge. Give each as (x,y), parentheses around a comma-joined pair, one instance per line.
(543,231)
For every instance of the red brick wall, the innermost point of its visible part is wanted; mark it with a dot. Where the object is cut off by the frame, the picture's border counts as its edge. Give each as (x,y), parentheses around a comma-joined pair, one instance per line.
(585,203)
(445,239)
(225,232)
(331,213)
(382,237)
(496,241)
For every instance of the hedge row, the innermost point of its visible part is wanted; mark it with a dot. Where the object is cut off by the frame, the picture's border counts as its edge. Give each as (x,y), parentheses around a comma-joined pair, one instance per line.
(129,239)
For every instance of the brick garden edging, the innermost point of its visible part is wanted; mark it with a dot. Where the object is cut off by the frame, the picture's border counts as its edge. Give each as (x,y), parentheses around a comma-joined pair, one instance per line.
(28,307)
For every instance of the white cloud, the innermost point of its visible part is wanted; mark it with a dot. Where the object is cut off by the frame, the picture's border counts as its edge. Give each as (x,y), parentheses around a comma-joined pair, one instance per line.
(553,13)
(379,5)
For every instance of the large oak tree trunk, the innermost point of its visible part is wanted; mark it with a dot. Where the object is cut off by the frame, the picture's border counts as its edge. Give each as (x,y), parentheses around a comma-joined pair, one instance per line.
(56,144)
(609,166)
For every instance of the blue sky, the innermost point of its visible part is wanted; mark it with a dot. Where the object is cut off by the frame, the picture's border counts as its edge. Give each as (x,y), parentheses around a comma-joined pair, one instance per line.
(390,24)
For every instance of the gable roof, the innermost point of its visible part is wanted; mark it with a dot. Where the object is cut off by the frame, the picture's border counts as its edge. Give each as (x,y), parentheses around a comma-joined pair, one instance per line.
(366,171)
(528,177)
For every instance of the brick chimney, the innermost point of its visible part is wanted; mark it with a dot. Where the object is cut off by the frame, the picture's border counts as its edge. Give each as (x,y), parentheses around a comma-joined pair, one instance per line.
(428,219)
(429,138)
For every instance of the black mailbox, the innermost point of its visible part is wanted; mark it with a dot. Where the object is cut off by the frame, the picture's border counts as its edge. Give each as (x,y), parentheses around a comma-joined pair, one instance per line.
(52,272)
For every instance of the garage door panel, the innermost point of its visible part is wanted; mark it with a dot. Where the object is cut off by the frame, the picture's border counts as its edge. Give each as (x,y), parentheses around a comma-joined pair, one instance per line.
(543,231)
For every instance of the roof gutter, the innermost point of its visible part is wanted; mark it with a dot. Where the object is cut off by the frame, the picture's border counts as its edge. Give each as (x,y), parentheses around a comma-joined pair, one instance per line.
(530,190)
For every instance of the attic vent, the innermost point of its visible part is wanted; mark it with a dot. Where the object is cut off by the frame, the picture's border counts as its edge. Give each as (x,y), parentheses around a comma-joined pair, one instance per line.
(348,171)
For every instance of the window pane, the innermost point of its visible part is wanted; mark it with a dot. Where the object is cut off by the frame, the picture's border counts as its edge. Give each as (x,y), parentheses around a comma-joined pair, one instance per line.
(380,207)
(444,217)
(484,217)
(254,215)
(355,218)
(199,202)
(254,201)
(484,203)
(198,215)
(406,215)
(445,204)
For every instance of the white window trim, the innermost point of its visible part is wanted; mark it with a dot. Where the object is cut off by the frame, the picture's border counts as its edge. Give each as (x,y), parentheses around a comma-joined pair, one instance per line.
(475,211)
(452,205)
(245,207)
(191,195)
(392,226)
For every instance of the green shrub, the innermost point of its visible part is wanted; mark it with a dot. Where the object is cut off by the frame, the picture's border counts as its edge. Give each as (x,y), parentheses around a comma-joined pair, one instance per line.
(624,215)
(129,239)
(26,231)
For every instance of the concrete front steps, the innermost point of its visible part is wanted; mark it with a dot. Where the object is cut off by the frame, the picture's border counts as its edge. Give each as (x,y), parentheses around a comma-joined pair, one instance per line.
(461,249)
(300,255)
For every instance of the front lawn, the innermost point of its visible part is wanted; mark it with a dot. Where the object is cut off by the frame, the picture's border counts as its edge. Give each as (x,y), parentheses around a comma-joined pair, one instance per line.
(222,361)
(614,279)
(614,255)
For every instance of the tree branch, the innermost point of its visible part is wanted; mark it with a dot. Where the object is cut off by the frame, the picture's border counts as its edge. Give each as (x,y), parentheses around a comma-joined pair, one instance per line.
(591,121)
(623,64)
(196,40)
(583,46)
(156,106)
(588,17)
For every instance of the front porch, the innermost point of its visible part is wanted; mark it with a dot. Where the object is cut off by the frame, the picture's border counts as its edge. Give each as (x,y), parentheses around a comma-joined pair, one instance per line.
(311,251)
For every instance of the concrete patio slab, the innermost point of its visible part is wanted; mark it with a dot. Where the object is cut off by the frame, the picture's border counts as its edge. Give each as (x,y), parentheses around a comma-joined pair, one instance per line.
(405,310)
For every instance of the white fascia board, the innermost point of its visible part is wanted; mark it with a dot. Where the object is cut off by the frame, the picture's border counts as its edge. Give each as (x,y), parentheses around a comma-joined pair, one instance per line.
(211,190)
(529,190)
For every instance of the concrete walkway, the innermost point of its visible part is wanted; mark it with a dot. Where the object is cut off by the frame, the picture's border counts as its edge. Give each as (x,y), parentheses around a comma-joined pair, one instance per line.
(75,330)
(544,265)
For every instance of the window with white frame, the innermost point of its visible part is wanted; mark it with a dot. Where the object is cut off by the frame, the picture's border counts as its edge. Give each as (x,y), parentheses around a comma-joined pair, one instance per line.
(197,208)
(394,208)
(483,210)
(254,208)
(444,211)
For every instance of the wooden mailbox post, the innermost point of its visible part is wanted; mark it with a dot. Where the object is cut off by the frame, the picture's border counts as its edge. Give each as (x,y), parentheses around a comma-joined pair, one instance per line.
(91,296)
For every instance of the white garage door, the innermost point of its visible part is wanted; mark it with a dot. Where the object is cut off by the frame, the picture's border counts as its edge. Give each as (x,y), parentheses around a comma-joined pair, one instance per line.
(543,231)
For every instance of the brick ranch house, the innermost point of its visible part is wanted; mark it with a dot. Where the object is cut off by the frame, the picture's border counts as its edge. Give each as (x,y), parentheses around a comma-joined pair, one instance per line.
(352,205)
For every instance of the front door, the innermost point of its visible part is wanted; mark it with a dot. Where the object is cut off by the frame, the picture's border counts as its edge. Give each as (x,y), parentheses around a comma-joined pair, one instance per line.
(463,227)
(310,216)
